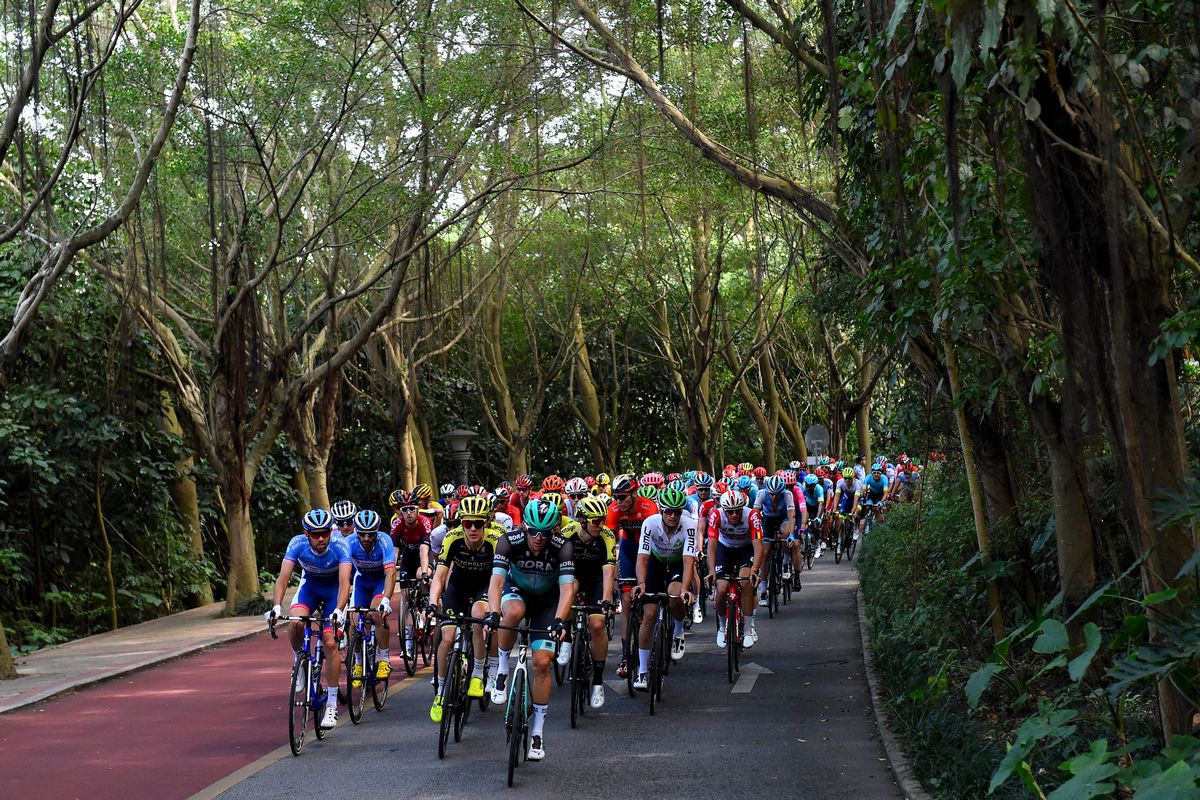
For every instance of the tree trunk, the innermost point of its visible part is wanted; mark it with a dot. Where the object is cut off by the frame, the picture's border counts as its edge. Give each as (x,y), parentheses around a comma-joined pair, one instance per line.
(300,484)
(183,496)
(977,502)
(316,479)
(8,669)
(243,562)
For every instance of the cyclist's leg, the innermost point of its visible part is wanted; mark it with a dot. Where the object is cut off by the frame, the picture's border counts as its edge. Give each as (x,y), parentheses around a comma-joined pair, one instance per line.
(303,603)
(512,611)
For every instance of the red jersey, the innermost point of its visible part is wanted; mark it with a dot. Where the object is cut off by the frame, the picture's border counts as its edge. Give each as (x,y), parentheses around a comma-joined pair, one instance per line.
(731,534)
(629,526)
(411,535)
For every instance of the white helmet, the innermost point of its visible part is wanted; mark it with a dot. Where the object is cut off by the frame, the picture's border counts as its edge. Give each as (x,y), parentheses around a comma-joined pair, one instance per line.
(343,511)
(576,486)
(795,465)
(446,490)
(733,500)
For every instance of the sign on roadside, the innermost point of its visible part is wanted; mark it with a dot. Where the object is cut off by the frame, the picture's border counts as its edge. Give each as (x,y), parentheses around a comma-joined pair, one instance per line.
(816,439)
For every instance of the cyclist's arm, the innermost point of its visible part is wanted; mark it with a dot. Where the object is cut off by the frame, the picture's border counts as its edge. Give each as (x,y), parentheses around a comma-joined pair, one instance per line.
(345,569)
(610,580)
(389,581)
(439,584)
(566,580)
(285,577)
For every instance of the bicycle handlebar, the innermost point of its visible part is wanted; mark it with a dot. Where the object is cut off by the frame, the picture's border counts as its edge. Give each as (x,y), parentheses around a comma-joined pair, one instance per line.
(306,618)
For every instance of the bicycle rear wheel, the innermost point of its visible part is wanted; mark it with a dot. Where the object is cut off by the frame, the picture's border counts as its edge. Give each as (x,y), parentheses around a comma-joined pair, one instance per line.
(403,626)
(655,667)
(448,701)
(462,703)
(516,710)
(321,695)
(298,707)
(575,677)
(629,648)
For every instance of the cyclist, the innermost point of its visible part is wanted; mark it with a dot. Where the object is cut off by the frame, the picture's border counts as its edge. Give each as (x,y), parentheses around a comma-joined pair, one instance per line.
(446,495)
(460,587)
(734,548)
(426,505)
(411,534)
(343,512)
(595,577)
(576,489)
(760,478)
(501,510)
(553,483)
(603,484)
(813,505)
(746,485)
(524,484)
(846,496)
(533,577)
(670,537)
(875,490)
(625,518)
(777,509)
(374,559)
(324,587)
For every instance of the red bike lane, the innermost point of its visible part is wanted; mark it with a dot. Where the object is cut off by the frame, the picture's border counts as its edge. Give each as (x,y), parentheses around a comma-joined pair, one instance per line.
(164,732)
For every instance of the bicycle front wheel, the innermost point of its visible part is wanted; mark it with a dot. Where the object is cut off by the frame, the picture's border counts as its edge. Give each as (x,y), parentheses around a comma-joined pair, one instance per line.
(322,696)
(356,690)
(516,710)
(655,664)
(731,637)
(408,623)
(462,703)
(298,706)
(448,701)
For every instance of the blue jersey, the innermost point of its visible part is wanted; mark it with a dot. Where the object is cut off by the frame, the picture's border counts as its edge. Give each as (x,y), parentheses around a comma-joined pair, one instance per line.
(693,505)
(372,565)
(874,489)
(321,568)
(814,496)
(770,505)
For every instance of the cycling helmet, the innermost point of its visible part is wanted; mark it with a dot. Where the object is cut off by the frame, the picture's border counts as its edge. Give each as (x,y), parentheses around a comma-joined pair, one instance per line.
(604,497)
(789,479)
(704,479)
(590,481)
(503,493)
(475,507)
(366,521)
(730,471)
(811,479)
(576,486)
(524,482)
(795,465)
(423,491)
(848,472)
(904,458)
(775,485)
(343,511)
(402,499)
(733,500)
(877,467)
(680,485)
(648,492)
(477,489)
(557,499)
(720,487)
(822,472)
(674,476)
(745,482)
(624,484)
(760,472)
(745,468)
(672,498)
(603,479)
(541,514)
(592,508)
(461,491)
(654,479)
(317,520)
(552,483)
(446,490)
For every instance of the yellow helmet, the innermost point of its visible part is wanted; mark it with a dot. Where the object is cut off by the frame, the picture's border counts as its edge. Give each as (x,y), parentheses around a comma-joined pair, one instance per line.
(423,491)
(592,508)
(557,499)
(603,482)
(475,506)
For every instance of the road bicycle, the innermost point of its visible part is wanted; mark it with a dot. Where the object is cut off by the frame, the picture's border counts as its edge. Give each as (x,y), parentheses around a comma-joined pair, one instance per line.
(809,548)
(456,704)
(306,692)
(581,670)
(520,700)
(416,601)
(845,539)
(361,657)
(734,622)
(775,581)
(660,643)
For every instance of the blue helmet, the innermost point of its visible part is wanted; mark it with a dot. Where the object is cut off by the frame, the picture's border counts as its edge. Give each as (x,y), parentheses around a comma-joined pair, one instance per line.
(774,485)
(316,520)
(366,521)
(811,479)
(745,482)
(703,480)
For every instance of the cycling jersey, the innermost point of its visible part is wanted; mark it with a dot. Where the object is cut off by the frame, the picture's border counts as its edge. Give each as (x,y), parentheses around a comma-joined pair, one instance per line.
(534,573)
(504,521)
(875,489)
(411,536)
(569,528)
(318,567)
(734,535)
(432,510)
(813,496)
(470,566)
(591,558)
(374,564)
(846,493)
(771,505)
(666,545)
(628,528)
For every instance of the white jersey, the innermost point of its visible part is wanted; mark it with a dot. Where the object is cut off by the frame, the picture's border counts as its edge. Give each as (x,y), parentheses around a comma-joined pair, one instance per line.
(504,520)
(435,539)
(669,545)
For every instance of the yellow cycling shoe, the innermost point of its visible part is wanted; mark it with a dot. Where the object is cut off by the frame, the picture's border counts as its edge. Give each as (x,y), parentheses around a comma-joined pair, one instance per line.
(382,670)
(435,711)
(476,688)
(357,675)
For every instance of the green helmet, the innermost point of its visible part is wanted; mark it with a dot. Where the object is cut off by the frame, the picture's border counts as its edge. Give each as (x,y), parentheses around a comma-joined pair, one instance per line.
(672,498)
(541,514)
(647,491)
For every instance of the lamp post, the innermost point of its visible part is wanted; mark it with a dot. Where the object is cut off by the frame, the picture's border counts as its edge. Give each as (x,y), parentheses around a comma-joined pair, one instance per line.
(460,441)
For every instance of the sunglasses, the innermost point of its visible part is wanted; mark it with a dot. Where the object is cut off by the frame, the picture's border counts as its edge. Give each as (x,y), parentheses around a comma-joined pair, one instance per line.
(577,496)
(410,509)
(594,520)
(536,534)
(319,534)
(674,512)
(620,497)
(364,535)
(473,523)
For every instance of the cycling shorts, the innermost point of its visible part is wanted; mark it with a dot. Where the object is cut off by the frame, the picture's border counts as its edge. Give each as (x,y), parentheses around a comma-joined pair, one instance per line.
(661,574)
(409,562)
(315,597)
(365,590)
(539,611)
(731,559)
(458,600)
(627,551)
(771,526)
(591,590)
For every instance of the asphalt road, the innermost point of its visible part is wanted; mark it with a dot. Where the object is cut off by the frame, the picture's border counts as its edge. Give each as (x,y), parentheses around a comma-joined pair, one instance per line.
(805,730)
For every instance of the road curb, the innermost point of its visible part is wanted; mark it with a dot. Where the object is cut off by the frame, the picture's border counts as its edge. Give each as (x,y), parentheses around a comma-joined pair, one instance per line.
(124,669)
(905,777)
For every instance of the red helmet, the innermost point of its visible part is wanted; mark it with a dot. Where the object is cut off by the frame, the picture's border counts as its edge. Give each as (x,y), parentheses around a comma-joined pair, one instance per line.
(720,488)
(524,482)
(552,483)
(590,481)
(674,476)
(822,472)
(789,478)
(506,486)
(462,491)
(652,479)
(760,472)
(730,471)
